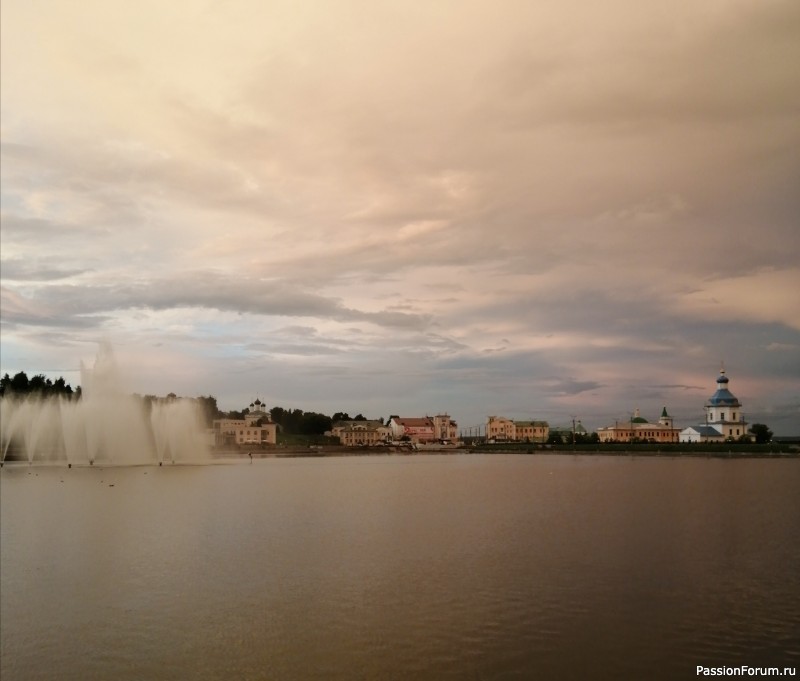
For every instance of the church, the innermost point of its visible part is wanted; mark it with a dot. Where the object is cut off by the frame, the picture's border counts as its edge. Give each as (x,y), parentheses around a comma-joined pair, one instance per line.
(724,417)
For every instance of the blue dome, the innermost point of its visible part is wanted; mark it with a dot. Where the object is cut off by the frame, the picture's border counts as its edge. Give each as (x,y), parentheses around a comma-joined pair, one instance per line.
(722,378)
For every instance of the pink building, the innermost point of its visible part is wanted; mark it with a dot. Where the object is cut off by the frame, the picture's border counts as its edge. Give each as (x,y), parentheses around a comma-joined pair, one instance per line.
(424,429)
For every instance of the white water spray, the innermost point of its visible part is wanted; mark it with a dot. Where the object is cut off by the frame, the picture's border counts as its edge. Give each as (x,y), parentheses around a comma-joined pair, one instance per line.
(106,425)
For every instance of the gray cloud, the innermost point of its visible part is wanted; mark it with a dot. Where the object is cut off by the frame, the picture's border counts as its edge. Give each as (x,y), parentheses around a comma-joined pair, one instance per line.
(200,289)
(546,209)
(20,270)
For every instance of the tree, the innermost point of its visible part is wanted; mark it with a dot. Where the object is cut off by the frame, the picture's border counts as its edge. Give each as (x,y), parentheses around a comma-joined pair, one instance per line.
(208,406)
(761,433)
(312,423)
(39,384)
(19,384)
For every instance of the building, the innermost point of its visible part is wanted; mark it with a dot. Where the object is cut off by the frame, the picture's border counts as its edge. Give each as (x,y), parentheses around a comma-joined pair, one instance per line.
(701,434)
(724,417)
(256,428)
(639,429)
(362,433)
(502,428)
(424,430)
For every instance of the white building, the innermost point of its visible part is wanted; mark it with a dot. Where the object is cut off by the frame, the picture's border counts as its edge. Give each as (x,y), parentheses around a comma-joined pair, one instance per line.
(724,417)
(701,434)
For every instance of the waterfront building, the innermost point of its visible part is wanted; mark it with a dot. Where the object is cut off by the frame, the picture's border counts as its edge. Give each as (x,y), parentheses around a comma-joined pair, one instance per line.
(701,434)
(639,429)
(424,430)
(256,428)
(502,428)
(724,418)
(361,433)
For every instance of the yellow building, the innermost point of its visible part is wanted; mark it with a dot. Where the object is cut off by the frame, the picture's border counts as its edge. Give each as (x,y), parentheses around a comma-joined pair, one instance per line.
(256,428)
(639,429)
(501,428)
(361,433)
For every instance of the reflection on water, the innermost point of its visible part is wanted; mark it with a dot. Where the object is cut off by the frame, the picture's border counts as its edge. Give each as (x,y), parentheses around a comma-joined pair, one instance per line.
(429,567)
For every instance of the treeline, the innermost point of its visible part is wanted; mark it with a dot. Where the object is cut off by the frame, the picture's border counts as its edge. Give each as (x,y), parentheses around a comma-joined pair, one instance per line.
(562,438)
(38,385)
(291,421)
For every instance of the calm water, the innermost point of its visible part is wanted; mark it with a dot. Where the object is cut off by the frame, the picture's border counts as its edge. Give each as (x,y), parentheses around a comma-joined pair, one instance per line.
(419,567)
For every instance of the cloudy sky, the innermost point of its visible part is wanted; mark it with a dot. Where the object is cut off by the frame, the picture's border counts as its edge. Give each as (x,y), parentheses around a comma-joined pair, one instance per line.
(548,209)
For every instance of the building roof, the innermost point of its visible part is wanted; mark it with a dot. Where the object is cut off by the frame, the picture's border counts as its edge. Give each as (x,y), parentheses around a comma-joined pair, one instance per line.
(723,398)
(709,431)
(361,424)
(414,422)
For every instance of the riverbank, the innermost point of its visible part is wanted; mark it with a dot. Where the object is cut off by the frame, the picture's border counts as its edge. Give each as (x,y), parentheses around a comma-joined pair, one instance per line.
(693,450)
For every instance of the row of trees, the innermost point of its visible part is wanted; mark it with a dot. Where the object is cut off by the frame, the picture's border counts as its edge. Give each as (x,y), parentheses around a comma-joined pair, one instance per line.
(20,384)
(293,421)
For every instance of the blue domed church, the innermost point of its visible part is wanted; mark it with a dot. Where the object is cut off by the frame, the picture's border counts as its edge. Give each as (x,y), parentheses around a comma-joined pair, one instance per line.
(724,417)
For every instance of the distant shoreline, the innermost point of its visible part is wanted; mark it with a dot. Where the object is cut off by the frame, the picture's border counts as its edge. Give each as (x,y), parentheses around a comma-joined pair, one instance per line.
(296,452)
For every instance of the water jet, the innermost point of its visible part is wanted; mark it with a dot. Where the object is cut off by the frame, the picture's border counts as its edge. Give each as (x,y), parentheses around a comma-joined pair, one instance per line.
(105,424)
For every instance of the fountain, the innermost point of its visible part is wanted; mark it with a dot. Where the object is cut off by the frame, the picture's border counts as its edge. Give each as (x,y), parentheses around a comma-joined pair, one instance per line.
(105,425)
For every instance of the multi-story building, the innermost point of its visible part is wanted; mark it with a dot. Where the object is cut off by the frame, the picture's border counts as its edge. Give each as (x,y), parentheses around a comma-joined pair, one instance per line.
(724,417)
(256,428)
(361,433)
(502,428)
(424,430)
(639,429)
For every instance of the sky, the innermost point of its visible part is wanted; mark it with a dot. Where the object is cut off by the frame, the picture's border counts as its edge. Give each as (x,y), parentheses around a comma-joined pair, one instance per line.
(540,210)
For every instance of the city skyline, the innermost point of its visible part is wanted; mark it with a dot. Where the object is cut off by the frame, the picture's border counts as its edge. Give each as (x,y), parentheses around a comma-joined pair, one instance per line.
(530,210)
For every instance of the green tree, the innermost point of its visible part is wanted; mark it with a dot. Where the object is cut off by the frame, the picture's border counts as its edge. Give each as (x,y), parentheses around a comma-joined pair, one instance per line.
(761,433)
(312,423)
(20,384)
(209,409)
(39,384)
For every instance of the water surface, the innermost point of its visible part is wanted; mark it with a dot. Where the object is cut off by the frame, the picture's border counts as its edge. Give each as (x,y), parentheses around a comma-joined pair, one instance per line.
(397,567)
